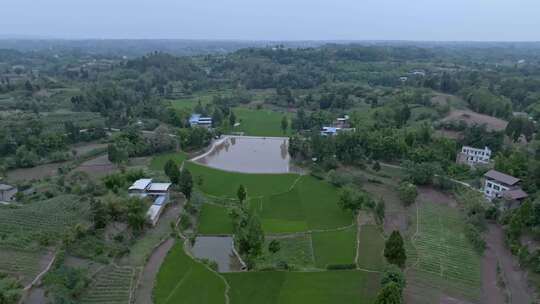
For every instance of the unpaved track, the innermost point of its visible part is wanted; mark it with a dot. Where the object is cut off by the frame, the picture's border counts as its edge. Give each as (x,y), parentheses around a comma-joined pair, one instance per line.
(515,278)
(143,292)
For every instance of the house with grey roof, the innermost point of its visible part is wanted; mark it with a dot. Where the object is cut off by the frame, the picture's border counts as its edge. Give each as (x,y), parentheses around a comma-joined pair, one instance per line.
(7,193)
(159,192)
(503,186)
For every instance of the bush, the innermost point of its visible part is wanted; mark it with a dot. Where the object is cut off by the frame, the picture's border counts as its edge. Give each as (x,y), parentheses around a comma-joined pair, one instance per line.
(407,193)
(339,179)
(340,266)
(475,237)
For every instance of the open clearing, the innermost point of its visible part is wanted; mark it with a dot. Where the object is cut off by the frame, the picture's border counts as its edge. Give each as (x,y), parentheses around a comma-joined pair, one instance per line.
(260,122)
(470,118)
(327,287)
(158,162)
(214,219)
(371,248)
(334,247)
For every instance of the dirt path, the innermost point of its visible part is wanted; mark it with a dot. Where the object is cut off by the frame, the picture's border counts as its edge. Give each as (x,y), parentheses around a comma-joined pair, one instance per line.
(143,292)
(515,278)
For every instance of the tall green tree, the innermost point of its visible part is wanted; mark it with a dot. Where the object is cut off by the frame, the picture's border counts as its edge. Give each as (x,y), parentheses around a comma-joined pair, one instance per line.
(232,119)
(241,193)
(407,193)
(186,183)
(172,171)
(389,294)
(394,250)
(284,124)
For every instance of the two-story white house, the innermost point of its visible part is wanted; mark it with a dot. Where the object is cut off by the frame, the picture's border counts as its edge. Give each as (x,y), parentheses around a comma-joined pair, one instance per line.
(145,187)
(474,156)
(197,120)
(500,185)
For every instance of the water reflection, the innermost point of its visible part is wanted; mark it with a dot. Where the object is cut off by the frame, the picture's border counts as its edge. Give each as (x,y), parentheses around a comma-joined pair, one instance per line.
(250,155)
(218,249)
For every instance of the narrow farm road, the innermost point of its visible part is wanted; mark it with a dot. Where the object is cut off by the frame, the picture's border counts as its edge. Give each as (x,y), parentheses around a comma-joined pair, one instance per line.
(515,278)
(143,293)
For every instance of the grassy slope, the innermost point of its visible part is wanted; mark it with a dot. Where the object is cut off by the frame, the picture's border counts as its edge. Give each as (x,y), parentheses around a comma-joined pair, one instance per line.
(259,122)
(371,249)
(225,184)
(303,287)
(334,247)
(182,280)
(158,161)
(214,220)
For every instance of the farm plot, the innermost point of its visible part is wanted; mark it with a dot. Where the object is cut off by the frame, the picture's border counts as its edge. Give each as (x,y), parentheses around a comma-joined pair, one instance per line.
(158,162)
(20,225)
(295,250)
(371,248)
(183,280)
(214,219)
(259,122)
(303,287)
(111,285)
(445,258)
(23,264)
(225,184)
(334,247)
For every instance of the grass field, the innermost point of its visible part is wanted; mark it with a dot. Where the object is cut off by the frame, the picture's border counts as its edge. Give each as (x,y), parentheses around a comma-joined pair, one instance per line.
(296,251)
(182,280)
(214,219)
(225,184)
(445,258)
(260,122)
(334,247)
(158,162)
(370,252)
(23,264)
(303,287)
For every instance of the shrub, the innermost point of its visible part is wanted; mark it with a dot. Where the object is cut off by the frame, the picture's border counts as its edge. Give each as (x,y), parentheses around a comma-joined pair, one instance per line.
(340,266)
(475,237)
(407,193)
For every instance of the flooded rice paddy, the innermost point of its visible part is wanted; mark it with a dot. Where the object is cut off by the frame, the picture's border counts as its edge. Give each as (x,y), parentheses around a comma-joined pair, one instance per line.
(218,249)
(249,155)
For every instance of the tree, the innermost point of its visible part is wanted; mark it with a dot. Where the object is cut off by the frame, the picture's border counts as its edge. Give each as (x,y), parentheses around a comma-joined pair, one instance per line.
(353,200)
(389,294)
(394,251)
(407,193)
(284,124)
(10,290)
(392,274)
(232,119)
(136,215)
(172,171)
(376,166)
(274,246)
(99,213)
(185,183)
(117,154)
(379,211)
(241,193)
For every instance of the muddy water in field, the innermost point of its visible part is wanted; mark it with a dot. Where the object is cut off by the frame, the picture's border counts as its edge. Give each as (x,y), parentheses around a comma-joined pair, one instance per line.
(218,249)
(249,154)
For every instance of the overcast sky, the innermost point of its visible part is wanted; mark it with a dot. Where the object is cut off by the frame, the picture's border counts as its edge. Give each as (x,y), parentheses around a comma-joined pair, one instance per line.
(471,20)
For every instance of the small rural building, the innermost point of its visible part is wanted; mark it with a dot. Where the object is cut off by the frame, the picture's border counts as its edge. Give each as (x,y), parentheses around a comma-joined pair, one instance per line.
(7,193)
(474,156)
(145,187)
(197,120)
(341,124)
(504,186)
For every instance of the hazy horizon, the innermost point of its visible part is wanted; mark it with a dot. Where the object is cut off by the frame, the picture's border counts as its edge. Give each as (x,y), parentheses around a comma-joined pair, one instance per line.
(279,20)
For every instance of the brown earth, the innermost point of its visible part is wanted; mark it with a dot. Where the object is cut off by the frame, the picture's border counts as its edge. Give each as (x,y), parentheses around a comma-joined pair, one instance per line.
(430,194)
(35,173)
(97,167)
(470,117)
(143,292)
(514,277)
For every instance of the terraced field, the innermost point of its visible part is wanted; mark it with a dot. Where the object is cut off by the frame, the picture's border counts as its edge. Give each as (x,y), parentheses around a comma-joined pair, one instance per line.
(20,225)
(260,122)
(111,285)
(23,264)
(445,260)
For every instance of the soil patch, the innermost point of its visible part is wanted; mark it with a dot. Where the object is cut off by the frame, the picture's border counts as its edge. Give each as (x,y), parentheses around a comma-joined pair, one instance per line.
(429,194)
(97,167)
(470,118)
(515,278)
(35,173)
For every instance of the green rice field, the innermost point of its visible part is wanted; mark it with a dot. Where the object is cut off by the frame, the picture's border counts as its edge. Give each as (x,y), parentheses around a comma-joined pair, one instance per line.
(260,122)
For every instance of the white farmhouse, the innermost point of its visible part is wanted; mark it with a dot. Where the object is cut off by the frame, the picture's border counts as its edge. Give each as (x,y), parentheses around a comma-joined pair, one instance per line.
(474,156)
(145,187)
(500,185)
(7,193)
(197,120)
